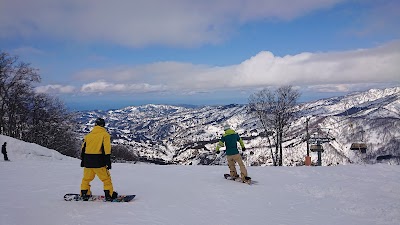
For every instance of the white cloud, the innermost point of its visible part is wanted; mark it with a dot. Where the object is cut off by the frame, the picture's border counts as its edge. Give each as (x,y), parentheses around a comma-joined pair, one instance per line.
(174,75)
(333,87)
(108,87)
(359,66)
(56,88)
(376,65)
(327,72)
(144,22)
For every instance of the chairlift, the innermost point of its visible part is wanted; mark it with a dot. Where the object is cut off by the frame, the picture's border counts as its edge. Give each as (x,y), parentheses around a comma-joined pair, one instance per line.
(316,148)
(362,147)
(359,146)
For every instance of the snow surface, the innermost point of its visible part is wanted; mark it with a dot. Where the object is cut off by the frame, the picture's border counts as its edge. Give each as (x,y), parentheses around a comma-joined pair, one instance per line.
(35,181)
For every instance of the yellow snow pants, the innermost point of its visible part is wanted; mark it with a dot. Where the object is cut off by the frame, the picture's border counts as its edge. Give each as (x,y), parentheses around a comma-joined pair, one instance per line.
(102,173)
(232,160)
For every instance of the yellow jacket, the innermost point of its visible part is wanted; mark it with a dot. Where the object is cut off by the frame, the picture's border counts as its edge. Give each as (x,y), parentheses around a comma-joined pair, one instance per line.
(96,148)
(97,138)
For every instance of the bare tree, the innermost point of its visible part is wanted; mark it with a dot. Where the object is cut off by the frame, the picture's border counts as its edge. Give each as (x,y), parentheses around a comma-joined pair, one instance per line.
(275,109)
(26,115)
(16,79)
(50,125)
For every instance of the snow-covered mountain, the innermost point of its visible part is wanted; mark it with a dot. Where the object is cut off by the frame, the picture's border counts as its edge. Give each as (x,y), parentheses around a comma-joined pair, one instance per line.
(188,135)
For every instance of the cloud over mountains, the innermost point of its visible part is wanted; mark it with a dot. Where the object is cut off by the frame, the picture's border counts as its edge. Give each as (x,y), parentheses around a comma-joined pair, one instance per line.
(324,70)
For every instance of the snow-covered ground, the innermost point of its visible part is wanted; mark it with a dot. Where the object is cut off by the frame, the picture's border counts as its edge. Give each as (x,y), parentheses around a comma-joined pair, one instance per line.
(34,182)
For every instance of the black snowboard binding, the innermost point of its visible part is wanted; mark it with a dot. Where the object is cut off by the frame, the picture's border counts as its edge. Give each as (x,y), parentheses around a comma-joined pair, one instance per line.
(110,198)
(84,195)
(247,180)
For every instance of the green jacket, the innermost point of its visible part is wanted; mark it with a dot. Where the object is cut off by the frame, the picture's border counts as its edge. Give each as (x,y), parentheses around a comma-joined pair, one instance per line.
(230,139)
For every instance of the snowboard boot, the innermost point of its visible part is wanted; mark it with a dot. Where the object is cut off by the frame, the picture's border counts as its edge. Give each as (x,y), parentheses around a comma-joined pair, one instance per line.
(84,195)
(247,180)
(110,198)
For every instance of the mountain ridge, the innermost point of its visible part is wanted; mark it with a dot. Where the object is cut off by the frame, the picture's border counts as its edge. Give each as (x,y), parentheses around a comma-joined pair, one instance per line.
(181,135)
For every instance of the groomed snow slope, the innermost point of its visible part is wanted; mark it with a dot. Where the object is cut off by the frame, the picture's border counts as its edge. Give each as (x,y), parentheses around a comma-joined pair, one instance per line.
(34,181)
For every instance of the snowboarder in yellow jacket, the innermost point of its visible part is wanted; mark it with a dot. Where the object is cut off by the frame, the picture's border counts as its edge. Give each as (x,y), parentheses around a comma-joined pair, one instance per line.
(230,139)
(96,160)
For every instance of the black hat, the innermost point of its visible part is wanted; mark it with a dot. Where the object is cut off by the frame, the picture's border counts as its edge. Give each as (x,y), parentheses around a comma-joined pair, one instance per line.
(100,122)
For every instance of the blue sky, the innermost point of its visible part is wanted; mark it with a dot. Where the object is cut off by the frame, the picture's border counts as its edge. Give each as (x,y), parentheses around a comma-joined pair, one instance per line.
(110,54)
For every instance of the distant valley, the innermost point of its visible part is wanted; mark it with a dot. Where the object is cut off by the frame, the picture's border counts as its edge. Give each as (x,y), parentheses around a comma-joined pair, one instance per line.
(188,135)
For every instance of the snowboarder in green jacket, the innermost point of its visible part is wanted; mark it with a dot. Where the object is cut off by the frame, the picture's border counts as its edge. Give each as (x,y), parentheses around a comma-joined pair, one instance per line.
(229,139)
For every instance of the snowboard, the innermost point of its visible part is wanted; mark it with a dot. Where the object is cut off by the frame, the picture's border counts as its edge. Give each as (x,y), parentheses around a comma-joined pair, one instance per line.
(238,179)
(98,198)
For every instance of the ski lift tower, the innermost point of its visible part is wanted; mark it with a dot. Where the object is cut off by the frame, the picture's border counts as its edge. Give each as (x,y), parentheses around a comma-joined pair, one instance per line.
(316,142)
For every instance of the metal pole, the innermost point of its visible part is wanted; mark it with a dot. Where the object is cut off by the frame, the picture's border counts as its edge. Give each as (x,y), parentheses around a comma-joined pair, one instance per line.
(308,137)
(319,158)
